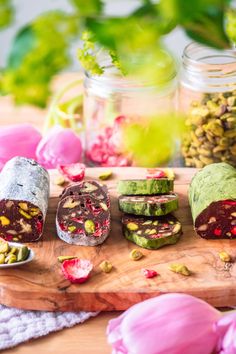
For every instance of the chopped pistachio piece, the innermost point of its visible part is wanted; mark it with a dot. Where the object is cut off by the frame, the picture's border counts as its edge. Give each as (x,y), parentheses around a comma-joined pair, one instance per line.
(11,258)
(169,173)
(180,269)
(13,250)
(61,259)
(23,206)
(105,175)
(4,220)
(70,203)
(59,181)
(26,215)
(104,206)
(2,258)
(106,266)
(23,254)
(135,254)
(71,228)
(89,226)
(132,226)
(224,256)
(4,247)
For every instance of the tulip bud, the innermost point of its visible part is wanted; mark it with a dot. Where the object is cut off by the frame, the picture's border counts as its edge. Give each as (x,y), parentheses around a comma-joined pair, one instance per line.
(226,327)
(18,140)
(60,146)
(167,324)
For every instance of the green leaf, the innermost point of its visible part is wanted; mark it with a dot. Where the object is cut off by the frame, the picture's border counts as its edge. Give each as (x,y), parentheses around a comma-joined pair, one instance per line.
(6,13)
(24,42)
(88,7)
(203,20)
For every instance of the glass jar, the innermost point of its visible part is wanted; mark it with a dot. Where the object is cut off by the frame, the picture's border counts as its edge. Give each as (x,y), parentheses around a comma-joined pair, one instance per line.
(121,116)
(207,96)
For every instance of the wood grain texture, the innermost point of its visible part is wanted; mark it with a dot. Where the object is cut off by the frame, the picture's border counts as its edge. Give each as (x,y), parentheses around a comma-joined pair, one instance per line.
(40,284)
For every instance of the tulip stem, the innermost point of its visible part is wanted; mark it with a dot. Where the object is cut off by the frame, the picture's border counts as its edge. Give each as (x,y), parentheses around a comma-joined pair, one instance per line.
(64,117)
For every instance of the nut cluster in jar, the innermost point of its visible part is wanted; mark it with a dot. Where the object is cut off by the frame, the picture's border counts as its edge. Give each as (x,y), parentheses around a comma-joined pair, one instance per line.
(212,130)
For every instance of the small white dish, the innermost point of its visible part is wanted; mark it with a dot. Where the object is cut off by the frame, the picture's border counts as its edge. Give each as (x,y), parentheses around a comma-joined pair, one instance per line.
(17,264)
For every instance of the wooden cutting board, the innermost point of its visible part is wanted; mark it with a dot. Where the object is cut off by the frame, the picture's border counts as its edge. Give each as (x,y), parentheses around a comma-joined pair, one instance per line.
(40,284)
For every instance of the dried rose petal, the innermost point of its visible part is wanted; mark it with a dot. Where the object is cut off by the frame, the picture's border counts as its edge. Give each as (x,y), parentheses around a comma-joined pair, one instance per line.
(154,173)
(77,270)
(149,273)
(74,172)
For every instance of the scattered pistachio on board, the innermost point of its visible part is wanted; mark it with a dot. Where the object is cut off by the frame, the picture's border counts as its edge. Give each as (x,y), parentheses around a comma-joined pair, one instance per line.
(135,255)
(180,269)
(106,266)
(211,133)
(64,258)
(105,175)
(224,256)
(59,181)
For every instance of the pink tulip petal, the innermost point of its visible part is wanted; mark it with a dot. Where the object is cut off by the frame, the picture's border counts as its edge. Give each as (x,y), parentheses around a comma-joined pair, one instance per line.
(172,323)
(59,146)
(226,327)
(18,140)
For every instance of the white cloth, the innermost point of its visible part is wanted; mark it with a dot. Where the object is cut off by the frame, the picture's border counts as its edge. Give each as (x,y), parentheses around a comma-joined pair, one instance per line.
(17,326)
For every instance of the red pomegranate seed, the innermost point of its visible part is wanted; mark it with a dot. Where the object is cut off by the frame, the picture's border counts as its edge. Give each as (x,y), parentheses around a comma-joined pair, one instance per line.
(149,273)
(217,232)
(233,231)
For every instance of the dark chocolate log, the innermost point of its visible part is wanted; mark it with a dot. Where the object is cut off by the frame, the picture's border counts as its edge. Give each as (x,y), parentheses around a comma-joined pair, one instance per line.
(151,233)
(149,205)
(93,188)
(212,197)
(83,220)
(24,193)
(145,186)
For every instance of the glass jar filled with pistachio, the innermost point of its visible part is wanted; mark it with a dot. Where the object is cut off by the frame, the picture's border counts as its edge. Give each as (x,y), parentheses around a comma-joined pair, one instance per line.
(207,97)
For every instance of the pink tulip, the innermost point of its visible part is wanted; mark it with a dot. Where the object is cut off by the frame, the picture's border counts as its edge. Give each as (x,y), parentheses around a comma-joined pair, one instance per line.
(227,329)
(18,140)
(60,146)
(167,324)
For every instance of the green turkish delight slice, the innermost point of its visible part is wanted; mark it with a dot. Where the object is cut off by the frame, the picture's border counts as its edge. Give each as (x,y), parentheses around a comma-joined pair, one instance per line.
(149,205)
(151,233)
(145,186)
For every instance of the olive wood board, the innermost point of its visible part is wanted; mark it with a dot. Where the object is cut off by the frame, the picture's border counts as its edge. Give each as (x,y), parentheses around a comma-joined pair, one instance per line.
(40,284)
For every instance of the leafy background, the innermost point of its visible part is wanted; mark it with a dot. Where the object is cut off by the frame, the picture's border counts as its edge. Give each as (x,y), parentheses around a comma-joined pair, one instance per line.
(44,43)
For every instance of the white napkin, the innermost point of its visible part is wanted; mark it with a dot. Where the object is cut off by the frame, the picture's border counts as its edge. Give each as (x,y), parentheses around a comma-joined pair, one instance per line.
(17,326)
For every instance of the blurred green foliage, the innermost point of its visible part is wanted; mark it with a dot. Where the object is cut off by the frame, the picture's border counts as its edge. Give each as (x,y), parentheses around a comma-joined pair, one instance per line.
(134,42)
(153,141)
(6,13)
(231,25)
(39,51)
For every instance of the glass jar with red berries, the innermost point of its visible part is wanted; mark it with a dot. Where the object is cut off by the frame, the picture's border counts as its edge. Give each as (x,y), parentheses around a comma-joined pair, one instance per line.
(128,122)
